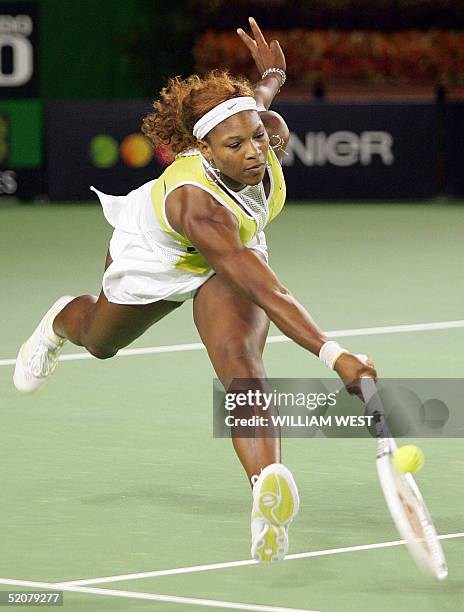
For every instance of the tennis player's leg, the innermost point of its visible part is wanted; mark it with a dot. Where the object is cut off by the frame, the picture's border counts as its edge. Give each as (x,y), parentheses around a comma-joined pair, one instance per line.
(103,327)
(100,326)
(234,331)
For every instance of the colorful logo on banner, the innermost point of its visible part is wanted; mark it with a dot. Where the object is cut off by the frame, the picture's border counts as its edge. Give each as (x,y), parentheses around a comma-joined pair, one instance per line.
(134,151)
(18,41)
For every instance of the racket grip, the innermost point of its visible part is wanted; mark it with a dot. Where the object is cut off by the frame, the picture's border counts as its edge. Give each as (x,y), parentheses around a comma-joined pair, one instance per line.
(368,388)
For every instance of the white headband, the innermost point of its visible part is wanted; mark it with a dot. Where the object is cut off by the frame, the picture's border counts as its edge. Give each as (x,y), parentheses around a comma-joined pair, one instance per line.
(220,113)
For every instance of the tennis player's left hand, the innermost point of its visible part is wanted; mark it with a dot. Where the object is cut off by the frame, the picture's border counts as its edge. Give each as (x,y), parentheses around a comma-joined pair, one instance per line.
(265,56)
(351,369)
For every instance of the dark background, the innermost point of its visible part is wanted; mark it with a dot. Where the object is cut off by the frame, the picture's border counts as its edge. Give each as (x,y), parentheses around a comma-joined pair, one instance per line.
(121,52)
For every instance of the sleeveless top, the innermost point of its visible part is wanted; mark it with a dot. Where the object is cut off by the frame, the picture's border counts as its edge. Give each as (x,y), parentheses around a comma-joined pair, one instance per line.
(252,209)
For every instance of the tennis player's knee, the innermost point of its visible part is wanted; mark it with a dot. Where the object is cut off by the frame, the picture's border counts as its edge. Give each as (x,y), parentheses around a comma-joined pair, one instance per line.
(101,351)
(243,355)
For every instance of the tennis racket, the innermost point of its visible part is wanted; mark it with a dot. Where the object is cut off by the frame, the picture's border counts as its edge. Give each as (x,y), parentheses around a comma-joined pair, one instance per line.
(404,500)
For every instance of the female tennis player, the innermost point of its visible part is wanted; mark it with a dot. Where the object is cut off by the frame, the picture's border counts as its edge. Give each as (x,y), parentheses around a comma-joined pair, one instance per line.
(197,232)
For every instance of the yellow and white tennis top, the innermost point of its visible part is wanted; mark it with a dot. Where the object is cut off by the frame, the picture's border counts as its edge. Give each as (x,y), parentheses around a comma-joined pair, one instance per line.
(252,215)
(151,261)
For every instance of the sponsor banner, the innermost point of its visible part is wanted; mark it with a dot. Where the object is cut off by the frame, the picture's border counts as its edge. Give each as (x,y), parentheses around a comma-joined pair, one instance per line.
(21,172)
(455,148)
(360,150)
(335,151)
(21,183)
(4,139)
(21,133)
(18,49)
(99,144)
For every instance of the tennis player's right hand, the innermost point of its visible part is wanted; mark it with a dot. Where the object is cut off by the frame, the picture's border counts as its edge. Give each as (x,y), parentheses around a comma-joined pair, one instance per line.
(351,369)
(265,55)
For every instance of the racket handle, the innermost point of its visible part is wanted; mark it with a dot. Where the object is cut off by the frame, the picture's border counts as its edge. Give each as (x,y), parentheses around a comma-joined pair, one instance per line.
(369,391)
(368,388)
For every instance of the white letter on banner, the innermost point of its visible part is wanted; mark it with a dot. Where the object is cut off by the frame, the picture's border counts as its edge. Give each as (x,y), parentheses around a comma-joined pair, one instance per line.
(309,153)
(8,184)
(294,146)
(342,148)
(376,143)
(22,60)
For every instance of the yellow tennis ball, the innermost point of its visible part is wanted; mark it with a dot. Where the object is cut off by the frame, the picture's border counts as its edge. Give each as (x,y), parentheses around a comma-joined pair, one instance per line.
(408,458)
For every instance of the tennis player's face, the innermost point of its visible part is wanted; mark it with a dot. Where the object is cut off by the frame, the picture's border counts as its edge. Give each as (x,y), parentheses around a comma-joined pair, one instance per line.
(239,147)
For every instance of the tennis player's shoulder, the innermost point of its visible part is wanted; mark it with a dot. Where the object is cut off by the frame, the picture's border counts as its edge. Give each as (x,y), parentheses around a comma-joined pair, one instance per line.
(192,204)
(275,124)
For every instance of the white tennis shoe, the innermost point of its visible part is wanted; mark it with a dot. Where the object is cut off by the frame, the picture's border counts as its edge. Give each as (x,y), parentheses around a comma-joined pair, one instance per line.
(38,356)
(275,505)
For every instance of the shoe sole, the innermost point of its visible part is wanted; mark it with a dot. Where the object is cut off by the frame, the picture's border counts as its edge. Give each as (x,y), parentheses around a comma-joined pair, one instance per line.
(277,501)
(272,544)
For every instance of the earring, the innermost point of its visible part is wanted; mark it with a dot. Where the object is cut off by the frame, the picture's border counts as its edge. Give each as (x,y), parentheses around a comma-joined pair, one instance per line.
(279,145)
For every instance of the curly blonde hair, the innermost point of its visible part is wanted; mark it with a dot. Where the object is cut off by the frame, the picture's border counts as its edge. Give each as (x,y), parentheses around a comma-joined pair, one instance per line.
(183,101)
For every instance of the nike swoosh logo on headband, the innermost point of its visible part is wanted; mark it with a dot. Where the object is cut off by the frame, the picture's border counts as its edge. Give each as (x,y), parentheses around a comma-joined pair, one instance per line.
(232,106)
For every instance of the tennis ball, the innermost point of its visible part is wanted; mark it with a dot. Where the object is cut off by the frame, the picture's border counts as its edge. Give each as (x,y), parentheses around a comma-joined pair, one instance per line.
(408,458)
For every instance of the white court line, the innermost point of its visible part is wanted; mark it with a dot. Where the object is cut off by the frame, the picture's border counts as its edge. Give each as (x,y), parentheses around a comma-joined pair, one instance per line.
(339,333)
(193,601)
(74,588)
(228,564)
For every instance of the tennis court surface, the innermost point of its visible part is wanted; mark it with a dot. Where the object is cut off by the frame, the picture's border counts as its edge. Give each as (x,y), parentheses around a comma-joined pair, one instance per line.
(114,489)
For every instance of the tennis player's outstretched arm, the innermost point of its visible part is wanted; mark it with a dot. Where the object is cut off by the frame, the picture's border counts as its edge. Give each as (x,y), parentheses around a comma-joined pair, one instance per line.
(213,230)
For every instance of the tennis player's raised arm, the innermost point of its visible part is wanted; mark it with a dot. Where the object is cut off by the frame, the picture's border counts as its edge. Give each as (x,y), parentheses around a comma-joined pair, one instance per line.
(265,90)
(265,56)
(213,230)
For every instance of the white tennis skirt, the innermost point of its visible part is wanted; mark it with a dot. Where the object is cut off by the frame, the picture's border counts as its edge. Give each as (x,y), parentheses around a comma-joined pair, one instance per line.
(143,268)
(136,276)
(142,271)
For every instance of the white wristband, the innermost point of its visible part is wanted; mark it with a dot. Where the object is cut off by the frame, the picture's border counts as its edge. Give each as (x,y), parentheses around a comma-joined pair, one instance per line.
(330,352)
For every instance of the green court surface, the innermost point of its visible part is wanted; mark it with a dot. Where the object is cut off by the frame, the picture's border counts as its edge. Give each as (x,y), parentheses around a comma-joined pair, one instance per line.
(111,469)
